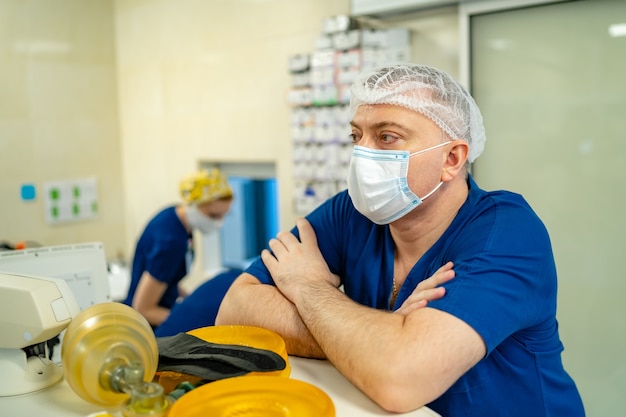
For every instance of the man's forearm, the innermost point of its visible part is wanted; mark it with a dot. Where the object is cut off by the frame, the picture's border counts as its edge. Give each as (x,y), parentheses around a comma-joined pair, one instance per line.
(253,304)
(400,362)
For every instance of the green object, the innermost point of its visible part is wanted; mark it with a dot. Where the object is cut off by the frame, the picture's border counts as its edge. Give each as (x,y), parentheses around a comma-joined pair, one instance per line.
(54,194)
(181,389)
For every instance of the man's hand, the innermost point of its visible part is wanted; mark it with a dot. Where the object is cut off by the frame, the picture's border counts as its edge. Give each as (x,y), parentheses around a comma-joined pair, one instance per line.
(427,290)
(296,264)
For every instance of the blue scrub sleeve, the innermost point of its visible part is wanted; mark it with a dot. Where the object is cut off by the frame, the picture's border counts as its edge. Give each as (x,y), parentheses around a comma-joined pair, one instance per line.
(200,307)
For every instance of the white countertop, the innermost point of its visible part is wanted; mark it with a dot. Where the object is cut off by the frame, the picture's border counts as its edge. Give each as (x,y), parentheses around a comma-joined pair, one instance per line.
(60,401)
(349,400)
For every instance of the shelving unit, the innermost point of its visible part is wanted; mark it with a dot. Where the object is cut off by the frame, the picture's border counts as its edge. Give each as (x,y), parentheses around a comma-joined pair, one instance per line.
(320,97)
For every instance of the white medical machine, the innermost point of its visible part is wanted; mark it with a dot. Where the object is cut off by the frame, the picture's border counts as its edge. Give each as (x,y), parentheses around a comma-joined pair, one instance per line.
(41,290)
(83,266)
(33,310)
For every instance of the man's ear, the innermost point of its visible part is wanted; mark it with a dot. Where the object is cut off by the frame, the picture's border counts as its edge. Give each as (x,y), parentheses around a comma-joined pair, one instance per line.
(455,159)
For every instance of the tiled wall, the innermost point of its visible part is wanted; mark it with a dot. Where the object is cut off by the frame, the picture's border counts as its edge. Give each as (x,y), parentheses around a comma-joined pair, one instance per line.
(58,117)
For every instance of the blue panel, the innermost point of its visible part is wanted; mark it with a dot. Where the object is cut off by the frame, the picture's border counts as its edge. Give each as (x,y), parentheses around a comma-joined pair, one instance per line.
(267,203)
(252,221)
(236,233)
(28,192)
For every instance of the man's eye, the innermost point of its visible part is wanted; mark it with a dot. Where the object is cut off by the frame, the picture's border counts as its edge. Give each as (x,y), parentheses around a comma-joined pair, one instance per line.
(354,138)
(387,138)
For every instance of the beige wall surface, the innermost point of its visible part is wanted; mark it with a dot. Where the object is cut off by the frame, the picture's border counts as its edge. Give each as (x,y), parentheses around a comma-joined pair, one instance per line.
(58,117)
(207,80)
(434,36)
(139,93)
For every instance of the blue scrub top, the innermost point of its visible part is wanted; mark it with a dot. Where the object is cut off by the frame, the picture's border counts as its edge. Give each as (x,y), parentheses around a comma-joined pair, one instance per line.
(161,250)
(505,288)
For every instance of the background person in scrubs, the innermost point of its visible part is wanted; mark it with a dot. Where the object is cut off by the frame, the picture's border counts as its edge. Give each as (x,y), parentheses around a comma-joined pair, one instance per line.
(164,251)
(419,287)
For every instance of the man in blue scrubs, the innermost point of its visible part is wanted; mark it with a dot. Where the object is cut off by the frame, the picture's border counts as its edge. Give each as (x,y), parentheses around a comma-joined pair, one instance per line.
(420,287)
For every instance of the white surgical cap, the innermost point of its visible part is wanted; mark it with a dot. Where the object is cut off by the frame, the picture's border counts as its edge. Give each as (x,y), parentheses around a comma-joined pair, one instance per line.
(428,91)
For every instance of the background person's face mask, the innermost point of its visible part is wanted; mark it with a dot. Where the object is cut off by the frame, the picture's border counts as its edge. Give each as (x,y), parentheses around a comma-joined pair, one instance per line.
(378,185)
(197,220)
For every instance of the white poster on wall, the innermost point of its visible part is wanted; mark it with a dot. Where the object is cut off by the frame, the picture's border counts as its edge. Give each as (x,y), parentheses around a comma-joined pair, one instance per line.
(72,200)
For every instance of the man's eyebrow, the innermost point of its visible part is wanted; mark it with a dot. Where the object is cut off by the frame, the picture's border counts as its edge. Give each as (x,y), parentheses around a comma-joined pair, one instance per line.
(384,124)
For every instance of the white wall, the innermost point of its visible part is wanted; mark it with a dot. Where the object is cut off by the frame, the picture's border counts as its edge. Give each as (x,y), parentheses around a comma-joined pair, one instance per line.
(58,118)
(206,80)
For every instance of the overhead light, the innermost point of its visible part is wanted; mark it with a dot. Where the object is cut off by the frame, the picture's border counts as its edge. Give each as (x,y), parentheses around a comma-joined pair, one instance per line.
(500,44)
(617,30)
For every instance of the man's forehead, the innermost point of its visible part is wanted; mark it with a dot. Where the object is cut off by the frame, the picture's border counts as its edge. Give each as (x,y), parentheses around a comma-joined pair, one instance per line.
(387,114)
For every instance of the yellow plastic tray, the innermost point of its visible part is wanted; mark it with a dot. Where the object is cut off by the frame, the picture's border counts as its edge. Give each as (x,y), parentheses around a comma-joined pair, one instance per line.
(254,396)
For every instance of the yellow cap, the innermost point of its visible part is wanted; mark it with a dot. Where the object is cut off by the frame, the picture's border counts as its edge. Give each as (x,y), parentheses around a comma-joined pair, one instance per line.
(205,186)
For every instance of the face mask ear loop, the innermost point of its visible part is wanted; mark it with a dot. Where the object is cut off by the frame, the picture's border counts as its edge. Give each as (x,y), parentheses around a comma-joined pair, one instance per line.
(432,192)
(430,149)
(426,150)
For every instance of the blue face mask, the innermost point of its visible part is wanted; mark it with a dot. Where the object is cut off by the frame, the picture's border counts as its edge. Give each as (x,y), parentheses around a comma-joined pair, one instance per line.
(378,186)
